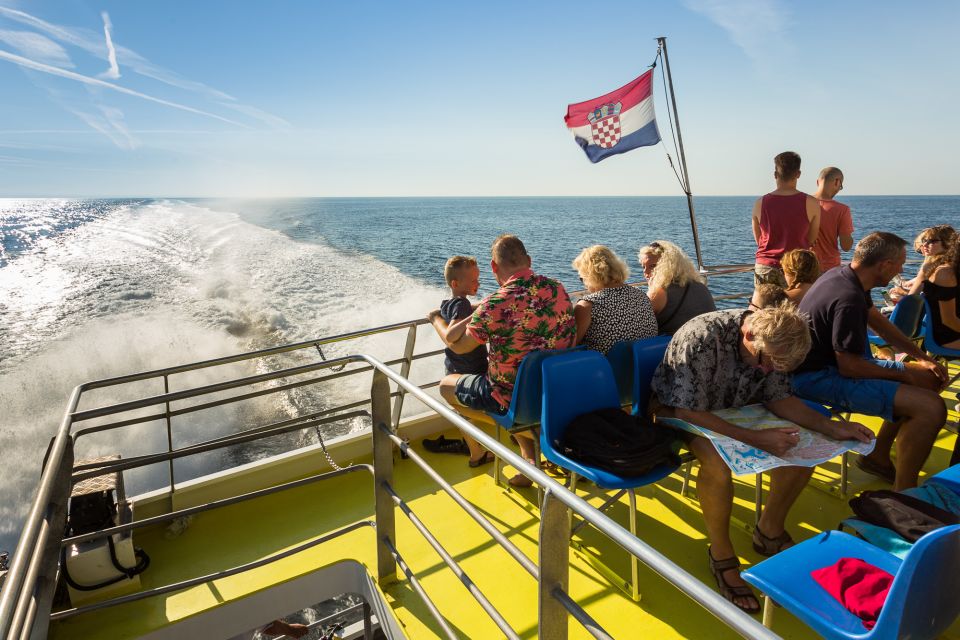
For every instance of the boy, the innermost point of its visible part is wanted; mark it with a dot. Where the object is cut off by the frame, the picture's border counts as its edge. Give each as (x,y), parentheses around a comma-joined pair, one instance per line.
(463,277)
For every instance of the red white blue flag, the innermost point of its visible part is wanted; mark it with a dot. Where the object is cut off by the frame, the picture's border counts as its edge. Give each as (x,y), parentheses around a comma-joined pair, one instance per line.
(617,122)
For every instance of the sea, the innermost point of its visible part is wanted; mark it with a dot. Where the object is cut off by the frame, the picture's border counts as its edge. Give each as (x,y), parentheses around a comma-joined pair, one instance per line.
(91,289)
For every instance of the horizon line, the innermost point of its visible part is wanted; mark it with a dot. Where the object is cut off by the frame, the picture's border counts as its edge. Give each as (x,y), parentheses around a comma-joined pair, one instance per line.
(426,197)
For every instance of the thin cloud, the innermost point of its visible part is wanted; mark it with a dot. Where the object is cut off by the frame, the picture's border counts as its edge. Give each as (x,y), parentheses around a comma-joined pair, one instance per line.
(37,47)
(70,75)
(94,44)
(756,26)
(114,71)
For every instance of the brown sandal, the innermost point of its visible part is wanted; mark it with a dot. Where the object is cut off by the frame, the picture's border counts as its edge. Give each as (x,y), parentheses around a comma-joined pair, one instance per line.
(728,591)
(767,546)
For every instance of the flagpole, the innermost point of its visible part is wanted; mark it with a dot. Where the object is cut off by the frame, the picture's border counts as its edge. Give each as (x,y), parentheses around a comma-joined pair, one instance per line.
(662,41)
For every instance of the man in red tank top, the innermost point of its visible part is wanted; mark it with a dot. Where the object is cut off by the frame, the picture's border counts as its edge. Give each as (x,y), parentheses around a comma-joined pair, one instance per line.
(836,224)
(784,219)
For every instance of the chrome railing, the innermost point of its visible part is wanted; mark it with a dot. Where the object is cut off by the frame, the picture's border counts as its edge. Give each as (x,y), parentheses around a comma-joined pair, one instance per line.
(32,576)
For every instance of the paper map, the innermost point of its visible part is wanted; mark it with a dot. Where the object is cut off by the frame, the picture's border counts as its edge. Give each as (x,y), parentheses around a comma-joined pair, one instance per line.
(813,449)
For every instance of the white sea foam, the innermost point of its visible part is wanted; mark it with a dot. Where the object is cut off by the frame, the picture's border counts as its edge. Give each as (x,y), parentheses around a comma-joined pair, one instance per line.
(168,283)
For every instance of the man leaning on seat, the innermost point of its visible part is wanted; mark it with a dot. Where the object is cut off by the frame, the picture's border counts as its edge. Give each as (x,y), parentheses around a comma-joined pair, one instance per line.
(725,360)
(529,312)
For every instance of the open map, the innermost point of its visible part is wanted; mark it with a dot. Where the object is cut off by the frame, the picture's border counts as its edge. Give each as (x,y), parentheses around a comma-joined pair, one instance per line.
(813,449)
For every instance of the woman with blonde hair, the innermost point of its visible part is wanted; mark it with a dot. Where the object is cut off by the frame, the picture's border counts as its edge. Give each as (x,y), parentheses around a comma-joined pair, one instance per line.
(801,268)
(612,310)
(677,290)
(932,243)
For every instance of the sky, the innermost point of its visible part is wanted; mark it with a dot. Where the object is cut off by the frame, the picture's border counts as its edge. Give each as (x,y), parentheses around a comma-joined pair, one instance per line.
(234,98)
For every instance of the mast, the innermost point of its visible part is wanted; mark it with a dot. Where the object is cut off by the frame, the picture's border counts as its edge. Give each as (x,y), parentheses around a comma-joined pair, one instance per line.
(662,41)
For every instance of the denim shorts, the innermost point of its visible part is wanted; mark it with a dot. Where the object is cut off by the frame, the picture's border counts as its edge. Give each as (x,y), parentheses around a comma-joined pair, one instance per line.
(474,391)
(868,396)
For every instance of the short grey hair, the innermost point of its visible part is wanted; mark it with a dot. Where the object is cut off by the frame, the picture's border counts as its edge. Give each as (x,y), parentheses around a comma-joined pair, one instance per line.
(877,247)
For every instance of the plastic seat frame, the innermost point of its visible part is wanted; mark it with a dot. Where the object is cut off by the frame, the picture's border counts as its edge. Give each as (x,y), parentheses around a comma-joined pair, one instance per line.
(921,604)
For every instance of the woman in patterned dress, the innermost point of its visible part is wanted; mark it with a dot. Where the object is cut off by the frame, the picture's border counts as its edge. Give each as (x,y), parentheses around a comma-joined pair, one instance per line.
(612,310)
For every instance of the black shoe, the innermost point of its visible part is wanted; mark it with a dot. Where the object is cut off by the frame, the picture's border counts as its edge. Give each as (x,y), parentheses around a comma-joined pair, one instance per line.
(443,445)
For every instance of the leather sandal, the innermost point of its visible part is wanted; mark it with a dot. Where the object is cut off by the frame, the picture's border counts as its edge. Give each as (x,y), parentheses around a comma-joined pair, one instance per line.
(866,464)
(728,591)
(486,458)
(767,546)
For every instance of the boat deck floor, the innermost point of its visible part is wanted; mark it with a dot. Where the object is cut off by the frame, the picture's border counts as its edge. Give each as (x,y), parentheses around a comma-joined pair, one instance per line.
(667,520)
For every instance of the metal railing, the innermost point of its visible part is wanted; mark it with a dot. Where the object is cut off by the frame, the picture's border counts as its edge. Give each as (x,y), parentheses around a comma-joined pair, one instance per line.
(33,573)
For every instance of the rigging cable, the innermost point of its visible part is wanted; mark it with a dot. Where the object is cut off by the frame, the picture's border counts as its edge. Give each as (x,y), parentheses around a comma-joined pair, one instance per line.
(663,76)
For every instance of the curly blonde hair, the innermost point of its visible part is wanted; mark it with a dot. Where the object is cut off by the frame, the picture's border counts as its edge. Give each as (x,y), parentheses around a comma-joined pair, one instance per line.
(942,232)
(601,266)
(801,265)
(783,334)
(673,265)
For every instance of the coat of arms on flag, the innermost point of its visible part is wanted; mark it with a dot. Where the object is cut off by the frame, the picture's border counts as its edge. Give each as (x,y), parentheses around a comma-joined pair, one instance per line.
(605,125)
(617,122)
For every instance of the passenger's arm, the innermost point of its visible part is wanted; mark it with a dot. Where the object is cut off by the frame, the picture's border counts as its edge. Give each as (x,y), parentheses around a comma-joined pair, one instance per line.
(796,410)
(756,221)
(454,336)
(945,277)
(581,314)
(813,216)
(776,441)
(658,298)
(846,241)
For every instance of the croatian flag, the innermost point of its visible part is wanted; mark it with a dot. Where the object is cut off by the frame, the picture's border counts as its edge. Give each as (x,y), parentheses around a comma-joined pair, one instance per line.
(617,122)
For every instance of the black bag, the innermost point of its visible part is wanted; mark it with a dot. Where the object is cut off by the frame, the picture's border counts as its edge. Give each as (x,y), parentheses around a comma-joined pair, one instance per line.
(907,516)
(614,441)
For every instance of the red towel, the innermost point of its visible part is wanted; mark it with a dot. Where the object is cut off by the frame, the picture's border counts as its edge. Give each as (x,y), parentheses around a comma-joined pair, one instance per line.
(860,587)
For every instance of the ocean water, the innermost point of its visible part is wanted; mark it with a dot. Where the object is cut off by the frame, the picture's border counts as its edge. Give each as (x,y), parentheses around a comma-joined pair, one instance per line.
(91,289)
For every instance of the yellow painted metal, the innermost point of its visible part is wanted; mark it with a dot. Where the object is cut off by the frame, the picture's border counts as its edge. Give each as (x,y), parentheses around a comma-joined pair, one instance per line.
(672,523)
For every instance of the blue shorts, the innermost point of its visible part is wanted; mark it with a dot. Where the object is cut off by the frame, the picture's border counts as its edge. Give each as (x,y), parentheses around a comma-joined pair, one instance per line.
(474,391)
(868,396)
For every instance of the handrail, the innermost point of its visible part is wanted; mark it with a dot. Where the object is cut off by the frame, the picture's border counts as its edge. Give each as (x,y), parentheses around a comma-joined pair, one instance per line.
(20,583)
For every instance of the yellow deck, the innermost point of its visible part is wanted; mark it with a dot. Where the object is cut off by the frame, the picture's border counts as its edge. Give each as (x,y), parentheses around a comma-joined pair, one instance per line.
(668,521)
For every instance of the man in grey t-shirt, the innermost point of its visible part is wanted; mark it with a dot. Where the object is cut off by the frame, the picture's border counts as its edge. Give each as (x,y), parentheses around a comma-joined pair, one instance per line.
(726,360)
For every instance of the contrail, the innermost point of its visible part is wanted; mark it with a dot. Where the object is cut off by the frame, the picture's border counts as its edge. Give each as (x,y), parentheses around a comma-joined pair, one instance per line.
(114,71)
(70,75)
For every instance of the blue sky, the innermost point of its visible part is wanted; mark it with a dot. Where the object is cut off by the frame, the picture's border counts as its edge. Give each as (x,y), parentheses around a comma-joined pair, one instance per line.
(233,98)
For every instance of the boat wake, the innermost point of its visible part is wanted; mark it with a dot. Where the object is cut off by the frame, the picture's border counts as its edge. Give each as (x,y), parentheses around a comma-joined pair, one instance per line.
(155,284)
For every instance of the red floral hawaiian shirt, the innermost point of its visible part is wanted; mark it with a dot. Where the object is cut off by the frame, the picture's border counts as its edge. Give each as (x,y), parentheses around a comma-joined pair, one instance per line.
(527,313)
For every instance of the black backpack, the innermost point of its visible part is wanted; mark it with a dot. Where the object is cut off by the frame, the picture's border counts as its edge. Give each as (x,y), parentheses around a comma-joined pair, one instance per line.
(908,516)
(617,442)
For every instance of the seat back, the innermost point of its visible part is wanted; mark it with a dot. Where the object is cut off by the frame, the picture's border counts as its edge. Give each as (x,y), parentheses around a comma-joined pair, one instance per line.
(573,384)
(923,601)
(929,342)
(908,314)
(647,355)
(527,390)
(620,358)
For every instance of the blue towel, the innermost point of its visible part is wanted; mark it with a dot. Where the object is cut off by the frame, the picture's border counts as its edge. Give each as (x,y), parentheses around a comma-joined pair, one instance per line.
(936,493)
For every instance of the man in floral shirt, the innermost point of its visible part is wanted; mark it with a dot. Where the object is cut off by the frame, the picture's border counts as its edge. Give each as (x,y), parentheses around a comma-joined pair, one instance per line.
(527,313)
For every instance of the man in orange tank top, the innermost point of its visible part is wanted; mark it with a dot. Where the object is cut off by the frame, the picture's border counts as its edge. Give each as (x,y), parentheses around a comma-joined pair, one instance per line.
(783,220)
(836,224)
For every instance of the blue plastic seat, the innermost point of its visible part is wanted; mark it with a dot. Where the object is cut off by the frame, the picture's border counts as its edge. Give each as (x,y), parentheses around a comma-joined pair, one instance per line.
(525,403)
(578,383)
(930,342)
(907,316)
(921,604)
(622,359)
(647,356)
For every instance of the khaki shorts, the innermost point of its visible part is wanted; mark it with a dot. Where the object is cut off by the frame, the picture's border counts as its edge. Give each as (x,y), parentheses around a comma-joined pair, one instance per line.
(765,274)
